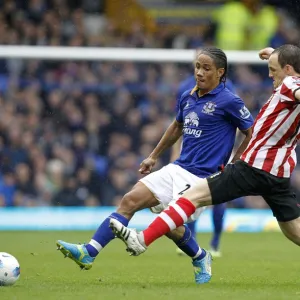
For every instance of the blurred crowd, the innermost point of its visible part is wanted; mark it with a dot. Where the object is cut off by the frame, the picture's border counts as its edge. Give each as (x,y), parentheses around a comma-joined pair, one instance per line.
(74,133)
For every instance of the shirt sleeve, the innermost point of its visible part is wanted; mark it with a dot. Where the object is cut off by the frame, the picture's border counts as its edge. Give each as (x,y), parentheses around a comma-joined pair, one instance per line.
(289,85)
(238,114)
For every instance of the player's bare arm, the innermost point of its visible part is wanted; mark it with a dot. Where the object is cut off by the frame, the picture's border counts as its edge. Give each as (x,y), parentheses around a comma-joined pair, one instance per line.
(169,138)
(244,144)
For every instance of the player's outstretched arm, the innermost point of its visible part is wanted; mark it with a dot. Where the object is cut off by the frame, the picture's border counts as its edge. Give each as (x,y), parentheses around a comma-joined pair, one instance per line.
(265,53)
(171,135)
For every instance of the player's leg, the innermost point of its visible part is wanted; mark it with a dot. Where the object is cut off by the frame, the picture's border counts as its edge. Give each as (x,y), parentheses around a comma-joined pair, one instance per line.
(138,198)
(192,227)
(286,209)
(182,181)
(235,181)
(291,229)
(201,260)
(145,194)
(184,239)
(169,219)
(218,212)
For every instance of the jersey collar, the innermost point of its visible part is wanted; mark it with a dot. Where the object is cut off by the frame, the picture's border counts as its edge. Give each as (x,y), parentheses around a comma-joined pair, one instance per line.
(215,91)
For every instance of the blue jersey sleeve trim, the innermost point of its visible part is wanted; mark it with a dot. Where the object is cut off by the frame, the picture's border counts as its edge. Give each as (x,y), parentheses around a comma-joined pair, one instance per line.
(248,127)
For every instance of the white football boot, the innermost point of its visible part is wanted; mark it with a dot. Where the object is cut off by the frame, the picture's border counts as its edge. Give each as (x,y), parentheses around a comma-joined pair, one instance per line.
(129,236)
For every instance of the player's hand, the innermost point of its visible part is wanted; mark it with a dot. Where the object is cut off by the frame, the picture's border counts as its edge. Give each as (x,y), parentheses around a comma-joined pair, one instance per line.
(147,165)
(265,53)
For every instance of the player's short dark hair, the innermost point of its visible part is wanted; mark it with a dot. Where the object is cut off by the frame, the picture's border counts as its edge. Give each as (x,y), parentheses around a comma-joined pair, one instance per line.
(219,58)
(288,55)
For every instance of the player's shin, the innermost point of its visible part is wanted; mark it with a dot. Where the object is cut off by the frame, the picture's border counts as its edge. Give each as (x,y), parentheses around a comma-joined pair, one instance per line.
(192,228)
(189,245)
(172,217)
(104,235)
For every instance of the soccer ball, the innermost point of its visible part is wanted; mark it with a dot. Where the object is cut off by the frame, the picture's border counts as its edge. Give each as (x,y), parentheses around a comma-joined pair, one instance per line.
(9,269)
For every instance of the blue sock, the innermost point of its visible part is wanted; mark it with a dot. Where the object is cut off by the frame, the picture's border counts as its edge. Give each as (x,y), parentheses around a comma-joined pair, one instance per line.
(192,228)
(189,245)
(104,234)
(218,220)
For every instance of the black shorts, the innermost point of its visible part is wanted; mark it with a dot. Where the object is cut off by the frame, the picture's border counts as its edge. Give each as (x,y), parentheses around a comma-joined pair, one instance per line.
(239,179)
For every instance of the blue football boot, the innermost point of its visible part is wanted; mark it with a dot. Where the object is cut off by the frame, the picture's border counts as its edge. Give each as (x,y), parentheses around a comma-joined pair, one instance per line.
(202,269)
(76,252)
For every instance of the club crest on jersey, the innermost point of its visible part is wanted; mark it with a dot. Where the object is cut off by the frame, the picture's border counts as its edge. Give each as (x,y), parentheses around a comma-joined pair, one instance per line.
(209,107)
(245,113)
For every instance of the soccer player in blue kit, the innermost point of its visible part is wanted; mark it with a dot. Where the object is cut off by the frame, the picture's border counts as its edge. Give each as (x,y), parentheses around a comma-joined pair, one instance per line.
(217,210)
(208,117)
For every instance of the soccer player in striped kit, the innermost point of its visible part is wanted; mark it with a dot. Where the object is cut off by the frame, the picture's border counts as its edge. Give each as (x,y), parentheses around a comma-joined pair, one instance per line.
(263,169)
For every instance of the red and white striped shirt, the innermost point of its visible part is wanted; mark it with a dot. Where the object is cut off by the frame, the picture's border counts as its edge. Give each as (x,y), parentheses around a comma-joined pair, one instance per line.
(275,132)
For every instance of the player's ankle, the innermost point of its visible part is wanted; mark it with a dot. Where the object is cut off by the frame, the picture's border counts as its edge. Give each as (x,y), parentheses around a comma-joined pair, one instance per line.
(201,255)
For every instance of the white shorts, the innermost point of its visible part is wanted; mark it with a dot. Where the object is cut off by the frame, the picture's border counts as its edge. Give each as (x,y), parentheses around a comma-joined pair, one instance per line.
(167,184)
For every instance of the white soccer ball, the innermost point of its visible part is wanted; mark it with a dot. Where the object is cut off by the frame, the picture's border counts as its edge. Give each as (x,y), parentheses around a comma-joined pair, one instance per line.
(9,269)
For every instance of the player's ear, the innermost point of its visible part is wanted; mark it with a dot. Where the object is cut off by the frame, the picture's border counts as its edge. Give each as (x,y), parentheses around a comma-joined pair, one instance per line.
(221,72)
(289,70)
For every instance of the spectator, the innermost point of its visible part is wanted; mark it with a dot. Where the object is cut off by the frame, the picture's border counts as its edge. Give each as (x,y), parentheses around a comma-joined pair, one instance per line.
(7,188)
(25,191)
(67,196)
(245,25)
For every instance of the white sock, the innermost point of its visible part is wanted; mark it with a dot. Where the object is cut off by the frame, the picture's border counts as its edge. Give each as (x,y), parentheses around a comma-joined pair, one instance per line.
(198,253)
(96,245)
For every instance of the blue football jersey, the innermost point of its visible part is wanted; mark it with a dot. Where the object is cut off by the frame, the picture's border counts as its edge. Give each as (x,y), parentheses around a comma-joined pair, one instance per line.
(209,128)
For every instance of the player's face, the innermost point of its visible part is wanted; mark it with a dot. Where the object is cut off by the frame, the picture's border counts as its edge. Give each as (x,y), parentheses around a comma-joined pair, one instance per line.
(275,71)
(206,73)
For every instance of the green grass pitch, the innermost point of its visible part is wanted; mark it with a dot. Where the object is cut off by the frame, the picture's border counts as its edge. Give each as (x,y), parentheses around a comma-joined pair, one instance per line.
(254,266)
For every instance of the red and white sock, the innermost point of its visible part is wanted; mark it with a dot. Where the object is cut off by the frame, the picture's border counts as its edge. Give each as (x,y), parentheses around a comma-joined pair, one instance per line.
(169,219)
